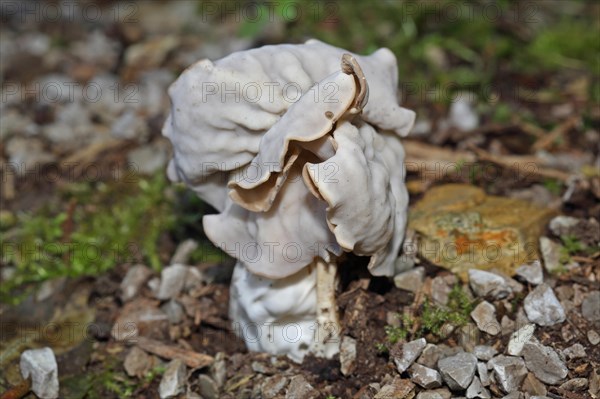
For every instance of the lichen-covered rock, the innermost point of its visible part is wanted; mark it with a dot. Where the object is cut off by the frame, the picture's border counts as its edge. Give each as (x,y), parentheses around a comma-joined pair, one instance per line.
(462,228)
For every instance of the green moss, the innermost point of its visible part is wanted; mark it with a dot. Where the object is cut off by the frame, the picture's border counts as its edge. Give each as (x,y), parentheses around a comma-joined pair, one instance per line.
(457,313)
(571,246)
(101,225)
(430,319)
(554,186)
(568,44)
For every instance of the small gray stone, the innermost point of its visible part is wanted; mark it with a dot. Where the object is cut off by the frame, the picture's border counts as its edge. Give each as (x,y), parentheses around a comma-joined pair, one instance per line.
(593,337)
(462,114)
(476,390)
(130,125)
(590,307)
(154,284)
(208,387)
(430,356)
(562,225)
(542,307)
(13,123)
(134,280)
(218,370)
(446,330)
(518,339)
(484,352)
(194,279)
(261,368)
(594,383)
(486,284)
(484,315)
(172,281)
(441,393)
(579,294)
(544,362)
(441,286)
(509,372)
(148,159)
(173,310)
(531,273)
(484,375)
(424,376)
(575,351)
(393,319)
(514,286)
(458,370)
(551,253)
(40,365)
(272,386)
(183,251)
(138,363)
(147,321)
(409,353)
(299,388)
(411,280)
(27,154)
(173,380)
(575,385)
(347,355)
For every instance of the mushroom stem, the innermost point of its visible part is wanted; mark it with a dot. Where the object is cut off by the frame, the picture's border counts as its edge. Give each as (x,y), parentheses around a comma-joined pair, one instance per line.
(327,334)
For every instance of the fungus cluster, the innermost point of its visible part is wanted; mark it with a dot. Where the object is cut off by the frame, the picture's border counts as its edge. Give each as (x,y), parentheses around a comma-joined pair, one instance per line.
(297,147)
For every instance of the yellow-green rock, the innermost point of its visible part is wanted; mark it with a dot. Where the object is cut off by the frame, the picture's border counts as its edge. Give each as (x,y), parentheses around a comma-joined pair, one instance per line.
(461,228)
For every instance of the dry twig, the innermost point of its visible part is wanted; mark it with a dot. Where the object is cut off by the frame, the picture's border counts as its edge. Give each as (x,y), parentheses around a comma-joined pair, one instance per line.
(160,349)
(546,141)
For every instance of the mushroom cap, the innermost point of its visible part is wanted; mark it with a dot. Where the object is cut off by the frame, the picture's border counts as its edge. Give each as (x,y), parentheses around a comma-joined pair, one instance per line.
(277,243)
(302,127)
(365,194)
(284,207)
(221,110)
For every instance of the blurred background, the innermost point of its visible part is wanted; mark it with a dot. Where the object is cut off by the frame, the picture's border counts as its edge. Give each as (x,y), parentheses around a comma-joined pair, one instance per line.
(84,97)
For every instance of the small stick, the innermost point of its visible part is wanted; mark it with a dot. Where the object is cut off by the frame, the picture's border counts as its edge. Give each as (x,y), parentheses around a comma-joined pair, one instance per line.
(190,358)
(18,391)
(525,165)
(546,141)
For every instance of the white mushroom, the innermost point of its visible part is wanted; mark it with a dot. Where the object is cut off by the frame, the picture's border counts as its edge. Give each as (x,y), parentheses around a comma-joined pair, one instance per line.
(297,183)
